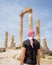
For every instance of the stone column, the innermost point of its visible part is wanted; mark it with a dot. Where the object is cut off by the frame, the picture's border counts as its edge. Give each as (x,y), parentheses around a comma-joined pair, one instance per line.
(30,23)
(12,41)
(38,33)
(38,29)
(44,45)
(14,44)
(5,39)
(20,33)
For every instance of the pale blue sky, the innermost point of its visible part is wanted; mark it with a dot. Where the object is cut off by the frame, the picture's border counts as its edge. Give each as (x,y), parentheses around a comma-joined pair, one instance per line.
(9,18)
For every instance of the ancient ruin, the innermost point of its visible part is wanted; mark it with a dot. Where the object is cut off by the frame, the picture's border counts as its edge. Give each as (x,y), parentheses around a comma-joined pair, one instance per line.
(38,29)
(30,24)
(44,44)
(12,44)
(2,49)
(44,48)
(5,39)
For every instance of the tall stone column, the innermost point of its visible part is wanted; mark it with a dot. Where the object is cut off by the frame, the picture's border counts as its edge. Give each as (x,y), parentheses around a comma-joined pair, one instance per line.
(14,44)
(30,23)
(12,41)
(38,29)
(44,44)
(38,33)
(5,39)
(20,33)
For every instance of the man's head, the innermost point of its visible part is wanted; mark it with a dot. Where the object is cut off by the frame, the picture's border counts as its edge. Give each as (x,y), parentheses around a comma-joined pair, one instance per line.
(31,33)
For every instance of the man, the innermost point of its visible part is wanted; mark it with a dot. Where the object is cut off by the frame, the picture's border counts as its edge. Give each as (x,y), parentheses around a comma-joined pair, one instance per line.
(30,50)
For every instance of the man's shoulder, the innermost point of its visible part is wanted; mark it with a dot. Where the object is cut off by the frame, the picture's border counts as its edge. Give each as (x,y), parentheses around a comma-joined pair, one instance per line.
(37,44)
(36,41)
(26,40)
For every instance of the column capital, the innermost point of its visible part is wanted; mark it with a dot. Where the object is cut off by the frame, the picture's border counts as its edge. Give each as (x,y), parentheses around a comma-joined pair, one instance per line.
(30,11)
(21,15)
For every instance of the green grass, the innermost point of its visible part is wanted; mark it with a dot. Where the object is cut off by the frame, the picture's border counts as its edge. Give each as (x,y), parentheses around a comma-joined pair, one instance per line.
(18,47)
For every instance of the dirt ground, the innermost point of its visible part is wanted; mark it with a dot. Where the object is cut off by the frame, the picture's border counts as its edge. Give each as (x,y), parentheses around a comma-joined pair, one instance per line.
(7,59)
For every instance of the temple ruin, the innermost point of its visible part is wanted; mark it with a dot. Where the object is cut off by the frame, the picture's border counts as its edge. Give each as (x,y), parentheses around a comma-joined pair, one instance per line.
(44,48)
(12,44)
(38,29)
(30,24)
(5,39)
(44,44)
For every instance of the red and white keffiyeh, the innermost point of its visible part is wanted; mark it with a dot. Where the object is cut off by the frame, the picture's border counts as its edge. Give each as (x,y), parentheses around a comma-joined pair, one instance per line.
(31,35)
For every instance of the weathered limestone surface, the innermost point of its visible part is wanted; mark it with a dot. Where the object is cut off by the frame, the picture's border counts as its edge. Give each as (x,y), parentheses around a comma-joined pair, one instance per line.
(2,49)
(44,44)
(12,41)
(27,10)
(5,39)
(38,32)
(14,44)
(38,29)
(20,34)
(30,24)
(44,48)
